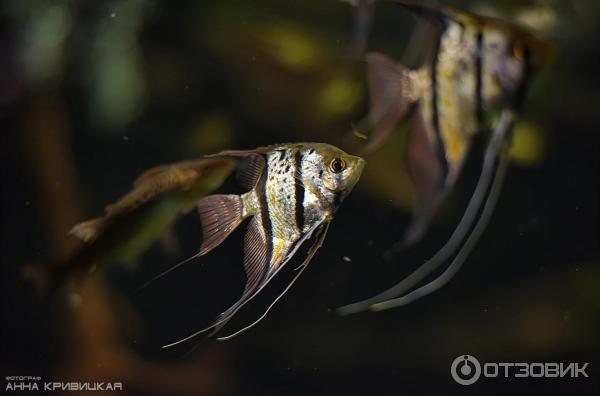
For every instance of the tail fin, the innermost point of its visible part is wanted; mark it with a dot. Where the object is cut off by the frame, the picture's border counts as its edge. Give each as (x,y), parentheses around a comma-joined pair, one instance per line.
(390,94)
(220,215)
(88,230)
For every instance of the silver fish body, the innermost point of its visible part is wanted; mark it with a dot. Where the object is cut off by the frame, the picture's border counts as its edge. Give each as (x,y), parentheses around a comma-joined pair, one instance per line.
(294,190)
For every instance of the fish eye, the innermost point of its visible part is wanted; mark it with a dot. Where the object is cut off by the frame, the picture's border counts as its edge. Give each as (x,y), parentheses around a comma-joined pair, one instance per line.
(519,51)
(337,165)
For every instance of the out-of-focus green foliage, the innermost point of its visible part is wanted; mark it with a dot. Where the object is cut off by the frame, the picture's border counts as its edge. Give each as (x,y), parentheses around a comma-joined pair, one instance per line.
(47,30)
(116,66)
(209,134)
(339,96)
(528,145)
(291,46)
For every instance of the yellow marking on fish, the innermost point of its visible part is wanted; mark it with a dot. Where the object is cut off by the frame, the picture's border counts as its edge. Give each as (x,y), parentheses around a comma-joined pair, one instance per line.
(456,147)
(280,250)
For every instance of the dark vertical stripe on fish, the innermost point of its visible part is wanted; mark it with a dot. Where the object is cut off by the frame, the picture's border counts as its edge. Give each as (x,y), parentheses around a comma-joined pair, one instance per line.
(434,89)
(264,213)
(479,79)
(434,102)
(462,30)
(522,89)
(299,192)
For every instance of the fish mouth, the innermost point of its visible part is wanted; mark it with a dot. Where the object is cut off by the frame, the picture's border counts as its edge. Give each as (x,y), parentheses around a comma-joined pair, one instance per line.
(354,178)
(359,167)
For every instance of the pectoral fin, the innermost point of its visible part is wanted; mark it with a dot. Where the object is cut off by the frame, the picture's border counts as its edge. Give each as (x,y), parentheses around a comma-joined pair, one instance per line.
(390,95)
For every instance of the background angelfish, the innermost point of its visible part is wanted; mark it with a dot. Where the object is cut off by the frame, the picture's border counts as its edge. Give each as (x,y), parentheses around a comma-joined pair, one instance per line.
(294,190)
(130,225)
(477,67)
(474,81)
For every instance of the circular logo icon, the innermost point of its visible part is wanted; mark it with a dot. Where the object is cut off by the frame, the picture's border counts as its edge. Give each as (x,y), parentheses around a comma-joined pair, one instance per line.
(465,370)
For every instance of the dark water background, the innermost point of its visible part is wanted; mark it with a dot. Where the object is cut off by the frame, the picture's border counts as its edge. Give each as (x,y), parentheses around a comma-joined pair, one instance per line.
(94,93)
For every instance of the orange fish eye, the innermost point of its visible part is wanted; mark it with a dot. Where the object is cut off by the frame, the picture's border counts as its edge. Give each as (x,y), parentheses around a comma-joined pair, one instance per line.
(519,51)
(337,165)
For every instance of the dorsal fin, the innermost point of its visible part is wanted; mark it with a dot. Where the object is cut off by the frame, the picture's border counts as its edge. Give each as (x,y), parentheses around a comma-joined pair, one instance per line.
(250,170)
(251,164)
(436,15)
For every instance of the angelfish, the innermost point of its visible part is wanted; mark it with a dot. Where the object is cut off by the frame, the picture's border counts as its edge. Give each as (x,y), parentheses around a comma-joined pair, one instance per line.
(474,81)
(130,225)
(478,67)
(293,192)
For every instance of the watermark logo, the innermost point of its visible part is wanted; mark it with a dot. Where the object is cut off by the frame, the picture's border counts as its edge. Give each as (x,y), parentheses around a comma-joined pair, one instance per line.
(28,383)
(466,370)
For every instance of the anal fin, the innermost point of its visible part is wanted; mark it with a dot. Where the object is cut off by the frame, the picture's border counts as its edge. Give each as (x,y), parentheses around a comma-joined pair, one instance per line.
(257,254)
(427,172)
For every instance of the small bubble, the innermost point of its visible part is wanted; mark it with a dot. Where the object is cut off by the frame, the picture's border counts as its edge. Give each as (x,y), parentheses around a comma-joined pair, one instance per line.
(113,15)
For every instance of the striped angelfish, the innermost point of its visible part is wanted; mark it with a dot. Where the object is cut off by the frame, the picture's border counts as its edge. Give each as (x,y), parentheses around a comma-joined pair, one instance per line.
(473,81)
(293,192)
